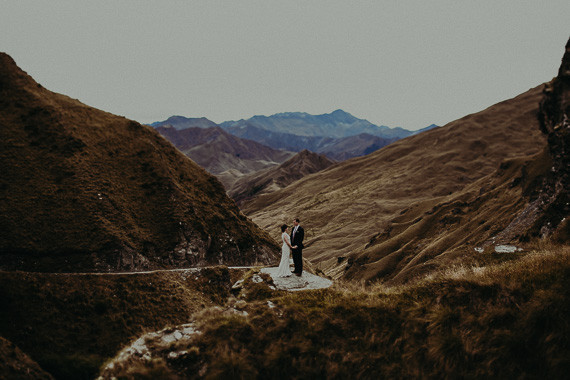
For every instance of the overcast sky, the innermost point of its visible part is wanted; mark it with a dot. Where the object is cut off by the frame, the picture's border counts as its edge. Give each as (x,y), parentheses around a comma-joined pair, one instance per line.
(396,63)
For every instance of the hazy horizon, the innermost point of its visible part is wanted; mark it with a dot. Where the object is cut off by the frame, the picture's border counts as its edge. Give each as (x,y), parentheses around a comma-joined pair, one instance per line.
(400,64)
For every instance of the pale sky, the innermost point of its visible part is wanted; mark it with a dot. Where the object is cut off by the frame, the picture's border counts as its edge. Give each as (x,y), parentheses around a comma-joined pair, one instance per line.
(396,63)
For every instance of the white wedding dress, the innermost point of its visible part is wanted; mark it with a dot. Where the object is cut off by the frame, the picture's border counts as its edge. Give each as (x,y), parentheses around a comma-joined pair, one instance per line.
(283,270)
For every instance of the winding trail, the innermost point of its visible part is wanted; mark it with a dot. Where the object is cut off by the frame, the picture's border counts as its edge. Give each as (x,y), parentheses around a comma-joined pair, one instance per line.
(191,270)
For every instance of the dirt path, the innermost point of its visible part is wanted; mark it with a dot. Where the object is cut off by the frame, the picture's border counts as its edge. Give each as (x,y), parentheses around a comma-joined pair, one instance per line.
(190,270)
(292,283)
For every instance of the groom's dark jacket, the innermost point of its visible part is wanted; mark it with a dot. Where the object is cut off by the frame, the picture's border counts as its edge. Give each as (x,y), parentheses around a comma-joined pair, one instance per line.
(297,238)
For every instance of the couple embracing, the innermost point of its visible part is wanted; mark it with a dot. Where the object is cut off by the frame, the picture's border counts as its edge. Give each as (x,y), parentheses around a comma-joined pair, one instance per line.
(293,243)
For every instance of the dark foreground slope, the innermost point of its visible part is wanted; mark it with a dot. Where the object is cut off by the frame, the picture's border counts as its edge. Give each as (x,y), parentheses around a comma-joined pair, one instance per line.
(71,324)
(17,365)
(85,190)
(502,320)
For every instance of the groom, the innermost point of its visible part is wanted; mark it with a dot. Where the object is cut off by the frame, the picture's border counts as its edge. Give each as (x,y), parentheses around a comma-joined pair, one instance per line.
(297,236)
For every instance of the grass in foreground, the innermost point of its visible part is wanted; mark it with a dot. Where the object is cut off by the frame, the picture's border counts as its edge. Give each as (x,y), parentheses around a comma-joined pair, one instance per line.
(508,320)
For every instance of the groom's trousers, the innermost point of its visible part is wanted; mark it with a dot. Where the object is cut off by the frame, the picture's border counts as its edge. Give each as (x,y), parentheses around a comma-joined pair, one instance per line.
(298,260)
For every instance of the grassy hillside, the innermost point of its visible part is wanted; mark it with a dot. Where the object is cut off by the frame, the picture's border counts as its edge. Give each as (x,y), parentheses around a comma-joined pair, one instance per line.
(503,318)
(84,190)
(428,194)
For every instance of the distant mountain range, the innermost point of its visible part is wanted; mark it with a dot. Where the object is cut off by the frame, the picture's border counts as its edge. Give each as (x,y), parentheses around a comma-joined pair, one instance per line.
(336,124)
(338,135)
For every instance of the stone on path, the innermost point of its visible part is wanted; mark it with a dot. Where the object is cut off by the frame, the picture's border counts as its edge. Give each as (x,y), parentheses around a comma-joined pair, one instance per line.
(506,249)
(294,283)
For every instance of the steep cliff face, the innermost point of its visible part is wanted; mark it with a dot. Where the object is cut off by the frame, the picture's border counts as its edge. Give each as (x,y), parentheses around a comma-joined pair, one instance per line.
(554,117)
(85,190)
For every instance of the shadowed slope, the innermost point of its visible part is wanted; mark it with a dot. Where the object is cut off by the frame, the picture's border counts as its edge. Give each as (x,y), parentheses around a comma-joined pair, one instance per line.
(15,364)
(86,190)
(348,207)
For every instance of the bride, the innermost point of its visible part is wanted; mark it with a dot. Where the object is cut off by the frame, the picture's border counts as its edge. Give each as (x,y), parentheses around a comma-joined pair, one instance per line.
(283,270)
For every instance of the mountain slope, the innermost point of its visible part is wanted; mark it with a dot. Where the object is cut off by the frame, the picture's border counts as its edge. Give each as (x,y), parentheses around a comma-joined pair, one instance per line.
(218,151)
(85,190)
(276,178)
(378,207)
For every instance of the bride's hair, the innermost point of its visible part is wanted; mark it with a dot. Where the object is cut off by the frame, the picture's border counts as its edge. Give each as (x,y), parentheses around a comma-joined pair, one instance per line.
(283,228)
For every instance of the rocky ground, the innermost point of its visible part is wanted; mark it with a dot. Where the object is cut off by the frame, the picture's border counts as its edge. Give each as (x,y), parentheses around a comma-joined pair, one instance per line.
(293,283)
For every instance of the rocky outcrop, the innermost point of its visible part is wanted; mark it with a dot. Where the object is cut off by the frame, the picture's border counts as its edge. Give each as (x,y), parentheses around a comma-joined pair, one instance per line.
(172,352)
(554,117)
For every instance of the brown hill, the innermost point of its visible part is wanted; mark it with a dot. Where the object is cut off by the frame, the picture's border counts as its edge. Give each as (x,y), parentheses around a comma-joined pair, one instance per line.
(217,151)
(276,178)
(414,204)
(85,190)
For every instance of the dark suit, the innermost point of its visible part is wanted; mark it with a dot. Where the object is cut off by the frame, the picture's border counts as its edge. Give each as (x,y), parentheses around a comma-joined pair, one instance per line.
(297,240)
